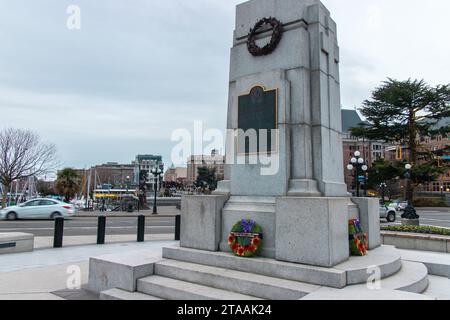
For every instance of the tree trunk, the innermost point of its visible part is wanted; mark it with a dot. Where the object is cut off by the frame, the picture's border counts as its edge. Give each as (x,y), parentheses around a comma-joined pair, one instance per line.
(6,188)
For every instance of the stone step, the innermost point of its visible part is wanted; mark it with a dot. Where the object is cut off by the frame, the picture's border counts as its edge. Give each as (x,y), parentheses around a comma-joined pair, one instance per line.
(354,293)
(353,271)
(438,264)
(244,199)
(412,277)
(235,281)
(386,258)
(250,204)
(248,208)
(119,294)
(173,289)
(438,288)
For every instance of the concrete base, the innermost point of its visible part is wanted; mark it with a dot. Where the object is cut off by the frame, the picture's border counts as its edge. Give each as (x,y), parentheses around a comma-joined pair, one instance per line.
(16,242)
(201,221)
(369,216)
(119,270)
(312,231)
(191,274)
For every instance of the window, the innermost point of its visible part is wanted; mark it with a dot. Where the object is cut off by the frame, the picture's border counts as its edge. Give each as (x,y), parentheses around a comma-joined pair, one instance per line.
(32,203)
(46,203)
(436,186)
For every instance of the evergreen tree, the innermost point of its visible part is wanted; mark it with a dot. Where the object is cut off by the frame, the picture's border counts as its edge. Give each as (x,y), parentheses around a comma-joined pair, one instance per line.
(206,178)
(401,112)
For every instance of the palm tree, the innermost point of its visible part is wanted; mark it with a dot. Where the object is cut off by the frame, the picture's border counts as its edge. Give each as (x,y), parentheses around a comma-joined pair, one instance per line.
(67,183)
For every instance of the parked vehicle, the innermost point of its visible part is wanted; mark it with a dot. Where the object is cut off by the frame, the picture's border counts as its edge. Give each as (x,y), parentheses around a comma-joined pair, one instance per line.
(399,205)
(388,213)
(38,209)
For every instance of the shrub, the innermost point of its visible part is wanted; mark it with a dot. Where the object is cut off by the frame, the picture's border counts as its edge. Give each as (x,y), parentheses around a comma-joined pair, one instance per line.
(418,229)
(430,202)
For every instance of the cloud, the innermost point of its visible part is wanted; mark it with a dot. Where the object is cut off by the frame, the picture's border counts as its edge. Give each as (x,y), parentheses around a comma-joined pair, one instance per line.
(137,70)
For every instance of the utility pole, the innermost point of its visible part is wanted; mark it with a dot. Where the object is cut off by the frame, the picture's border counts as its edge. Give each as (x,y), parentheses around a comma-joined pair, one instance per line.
(88,189)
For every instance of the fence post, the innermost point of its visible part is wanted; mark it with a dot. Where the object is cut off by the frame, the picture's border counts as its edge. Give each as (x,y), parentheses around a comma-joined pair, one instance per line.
(101,229)
(59,232)
(141,228)
(177,227)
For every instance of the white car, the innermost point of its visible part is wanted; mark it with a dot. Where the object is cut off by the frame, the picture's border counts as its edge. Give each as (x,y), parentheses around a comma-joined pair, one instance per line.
(388,213)
(38,209)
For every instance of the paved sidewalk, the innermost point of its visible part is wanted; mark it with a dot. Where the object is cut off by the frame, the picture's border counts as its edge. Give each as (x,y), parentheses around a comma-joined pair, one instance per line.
(39,274)
(70,241)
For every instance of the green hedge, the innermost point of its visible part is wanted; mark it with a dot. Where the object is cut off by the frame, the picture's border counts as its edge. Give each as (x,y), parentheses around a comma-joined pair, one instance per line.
(418,229)
(430,202)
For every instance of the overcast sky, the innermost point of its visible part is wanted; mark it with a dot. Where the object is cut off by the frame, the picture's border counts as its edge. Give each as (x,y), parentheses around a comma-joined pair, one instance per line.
(139,69)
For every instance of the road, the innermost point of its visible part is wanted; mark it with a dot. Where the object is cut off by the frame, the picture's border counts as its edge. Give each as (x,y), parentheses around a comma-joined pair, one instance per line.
(79,226)
(439,217)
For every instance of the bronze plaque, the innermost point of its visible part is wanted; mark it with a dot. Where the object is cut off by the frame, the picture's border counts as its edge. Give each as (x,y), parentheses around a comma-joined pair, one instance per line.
(258,110)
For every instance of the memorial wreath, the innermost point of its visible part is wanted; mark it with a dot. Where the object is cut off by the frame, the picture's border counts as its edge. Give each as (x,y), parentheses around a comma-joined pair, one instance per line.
(277,33)
(358,239)
(245,239)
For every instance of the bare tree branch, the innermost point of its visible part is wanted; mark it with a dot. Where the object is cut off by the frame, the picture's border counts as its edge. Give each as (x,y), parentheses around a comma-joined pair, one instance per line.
(23,155)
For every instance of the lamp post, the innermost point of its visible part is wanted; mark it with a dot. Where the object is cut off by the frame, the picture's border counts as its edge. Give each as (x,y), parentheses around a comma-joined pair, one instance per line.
(357,164)
(409,216)
(156,171)
(383,188)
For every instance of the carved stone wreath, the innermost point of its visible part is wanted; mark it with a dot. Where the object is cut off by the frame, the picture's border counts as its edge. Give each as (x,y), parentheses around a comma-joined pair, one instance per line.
(277,33)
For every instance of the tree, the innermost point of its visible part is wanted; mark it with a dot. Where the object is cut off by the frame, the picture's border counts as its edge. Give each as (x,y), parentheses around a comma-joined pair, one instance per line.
(23,155)
(401,111)
(206,178)
(382,171)
(68,183)
(45,188)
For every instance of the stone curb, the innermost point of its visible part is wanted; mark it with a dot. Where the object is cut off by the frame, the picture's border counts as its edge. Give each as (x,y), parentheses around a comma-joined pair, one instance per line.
(416,241)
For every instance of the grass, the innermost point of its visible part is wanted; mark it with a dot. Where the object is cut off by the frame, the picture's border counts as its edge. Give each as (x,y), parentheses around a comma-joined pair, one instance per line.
(418,229)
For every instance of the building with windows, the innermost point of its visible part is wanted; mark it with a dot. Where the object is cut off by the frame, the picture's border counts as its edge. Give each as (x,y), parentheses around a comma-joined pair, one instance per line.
(215,160)
(146,162)
(176,175)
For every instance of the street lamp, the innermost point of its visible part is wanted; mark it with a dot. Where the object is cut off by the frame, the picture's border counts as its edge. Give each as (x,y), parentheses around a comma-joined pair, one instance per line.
(156,171)
(383,188)
(357,164)
(409,216)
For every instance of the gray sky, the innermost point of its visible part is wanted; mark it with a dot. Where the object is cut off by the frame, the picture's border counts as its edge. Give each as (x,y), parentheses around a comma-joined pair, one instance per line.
(139,69)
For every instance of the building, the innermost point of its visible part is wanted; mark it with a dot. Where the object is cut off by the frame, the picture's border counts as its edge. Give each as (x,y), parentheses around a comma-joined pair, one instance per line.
(146,162)
(176,176)
(370,150)
(215,160)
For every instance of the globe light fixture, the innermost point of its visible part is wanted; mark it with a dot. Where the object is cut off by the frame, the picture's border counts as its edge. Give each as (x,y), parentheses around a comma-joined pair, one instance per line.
(357,163)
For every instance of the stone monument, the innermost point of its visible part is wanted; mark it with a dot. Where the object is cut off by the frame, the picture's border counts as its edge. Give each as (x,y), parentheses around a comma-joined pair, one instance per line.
(284,78)
(284,171)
